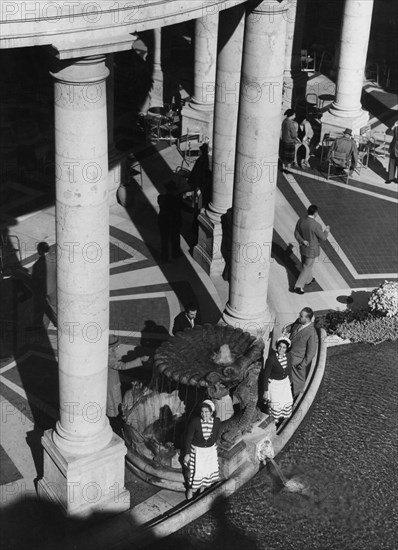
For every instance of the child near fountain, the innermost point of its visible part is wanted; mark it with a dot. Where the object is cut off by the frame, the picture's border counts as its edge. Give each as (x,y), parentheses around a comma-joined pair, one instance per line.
(201,450)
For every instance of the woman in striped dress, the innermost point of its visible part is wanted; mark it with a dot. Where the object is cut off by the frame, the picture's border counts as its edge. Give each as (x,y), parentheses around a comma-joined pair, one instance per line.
(201,449)
(277,380)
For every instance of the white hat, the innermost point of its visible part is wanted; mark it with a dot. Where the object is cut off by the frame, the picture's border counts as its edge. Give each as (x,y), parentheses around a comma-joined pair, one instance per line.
(210,404)
(284,339)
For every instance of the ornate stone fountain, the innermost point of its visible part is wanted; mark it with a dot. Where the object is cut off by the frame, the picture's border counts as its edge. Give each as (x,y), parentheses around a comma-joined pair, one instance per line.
(210,360)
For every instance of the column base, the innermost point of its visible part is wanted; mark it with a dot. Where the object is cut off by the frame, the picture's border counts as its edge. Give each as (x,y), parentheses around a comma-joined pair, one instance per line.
(208,250)
(334,124)
(117,172)
(198,118)
(260,326)
(81,485)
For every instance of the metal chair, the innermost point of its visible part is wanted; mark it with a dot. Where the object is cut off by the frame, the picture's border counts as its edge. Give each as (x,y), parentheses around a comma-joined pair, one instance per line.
(152,124)
(363,153)
(169,128)
(311,104)
(326,144)
(308,61)
(377,145)
(10,253)
(340,161)
(189,145)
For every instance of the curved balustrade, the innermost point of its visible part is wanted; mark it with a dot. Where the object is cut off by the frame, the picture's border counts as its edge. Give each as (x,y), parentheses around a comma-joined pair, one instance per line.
(101,24)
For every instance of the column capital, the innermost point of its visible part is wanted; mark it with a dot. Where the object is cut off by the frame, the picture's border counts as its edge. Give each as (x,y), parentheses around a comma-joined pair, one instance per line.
(267,7)
(78,72)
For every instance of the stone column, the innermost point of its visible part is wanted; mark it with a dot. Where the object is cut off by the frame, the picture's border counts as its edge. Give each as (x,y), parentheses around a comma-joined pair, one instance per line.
(294,80)
(346,111)
(83,458)
(197,115)
(229,58)
(256,168)
(157,73)
(116,160)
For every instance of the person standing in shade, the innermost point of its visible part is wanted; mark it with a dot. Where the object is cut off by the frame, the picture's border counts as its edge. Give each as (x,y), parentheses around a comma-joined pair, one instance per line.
(289,139)
(276,381)
(308,234)
(200,182)
(201,449)
(169,221)
(304,343)
(393,162)
(185,319)
(44,285)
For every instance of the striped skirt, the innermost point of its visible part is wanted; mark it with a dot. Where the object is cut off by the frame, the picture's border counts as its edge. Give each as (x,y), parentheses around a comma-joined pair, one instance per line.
(281,399)
(203,467)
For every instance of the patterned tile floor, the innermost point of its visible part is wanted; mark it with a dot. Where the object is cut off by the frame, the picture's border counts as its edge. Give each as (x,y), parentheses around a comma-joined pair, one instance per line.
(146,294)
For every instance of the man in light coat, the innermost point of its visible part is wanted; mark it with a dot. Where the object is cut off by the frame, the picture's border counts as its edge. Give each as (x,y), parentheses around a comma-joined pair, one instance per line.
(308,234)
(345,145)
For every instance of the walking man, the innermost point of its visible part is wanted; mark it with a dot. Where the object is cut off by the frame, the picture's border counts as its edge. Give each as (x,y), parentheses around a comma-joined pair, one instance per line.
(308,233)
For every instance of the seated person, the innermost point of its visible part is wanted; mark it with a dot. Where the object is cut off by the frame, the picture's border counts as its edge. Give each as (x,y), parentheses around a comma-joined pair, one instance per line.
(345,145)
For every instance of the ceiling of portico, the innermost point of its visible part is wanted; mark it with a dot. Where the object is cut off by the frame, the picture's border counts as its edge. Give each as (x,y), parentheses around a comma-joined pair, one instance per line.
(106,22)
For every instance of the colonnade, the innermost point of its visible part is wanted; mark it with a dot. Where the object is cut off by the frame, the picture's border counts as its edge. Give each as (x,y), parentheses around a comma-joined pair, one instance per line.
(239,73)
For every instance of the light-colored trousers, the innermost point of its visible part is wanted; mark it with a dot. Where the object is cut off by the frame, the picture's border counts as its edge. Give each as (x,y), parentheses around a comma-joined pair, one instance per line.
(306,275)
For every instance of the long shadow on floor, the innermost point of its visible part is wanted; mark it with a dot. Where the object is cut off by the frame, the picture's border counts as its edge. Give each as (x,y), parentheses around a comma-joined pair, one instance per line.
(145,218)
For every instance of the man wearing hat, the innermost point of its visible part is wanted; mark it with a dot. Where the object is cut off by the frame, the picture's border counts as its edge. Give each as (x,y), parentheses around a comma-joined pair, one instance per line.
(345,145)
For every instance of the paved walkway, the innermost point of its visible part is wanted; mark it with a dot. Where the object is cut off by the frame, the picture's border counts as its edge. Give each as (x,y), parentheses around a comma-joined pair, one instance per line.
(146,294)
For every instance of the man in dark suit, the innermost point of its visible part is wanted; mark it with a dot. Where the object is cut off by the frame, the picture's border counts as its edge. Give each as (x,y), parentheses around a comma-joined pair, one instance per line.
(304,339)
(393,163)
(345,145)
(308,233)
(185,319)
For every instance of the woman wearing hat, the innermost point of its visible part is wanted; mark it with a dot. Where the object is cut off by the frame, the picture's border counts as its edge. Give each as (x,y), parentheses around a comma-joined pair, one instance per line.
(201,449)
(277,379)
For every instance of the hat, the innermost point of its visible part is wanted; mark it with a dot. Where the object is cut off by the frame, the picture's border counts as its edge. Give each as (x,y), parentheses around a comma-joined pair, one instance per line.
(348,131)
(289,112)
(112,340)
(210,404)
(284,339)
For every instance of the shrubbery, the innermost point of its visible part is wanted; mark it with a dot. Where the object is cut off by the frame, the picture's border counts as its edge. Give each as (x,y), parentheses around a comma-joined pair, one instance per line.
(375,324)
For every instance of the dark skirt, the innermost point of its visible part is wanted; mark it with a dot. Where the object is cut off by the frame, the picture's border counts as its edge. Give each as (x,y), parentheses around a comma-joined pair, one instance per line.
(287,152)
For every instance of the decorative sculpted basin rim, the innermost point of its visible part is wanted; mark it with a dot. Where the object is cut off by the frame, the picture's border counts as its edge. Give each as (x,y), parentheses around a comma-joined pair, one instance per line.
(215,361)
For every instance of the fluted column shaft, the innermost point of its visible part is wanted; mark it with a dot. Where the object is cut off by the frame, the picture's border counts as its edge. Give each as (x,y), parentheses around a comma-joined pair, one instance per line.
(229,60)
(357,19)
(82,229)
(256,167)
(157,73)
(206,31)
